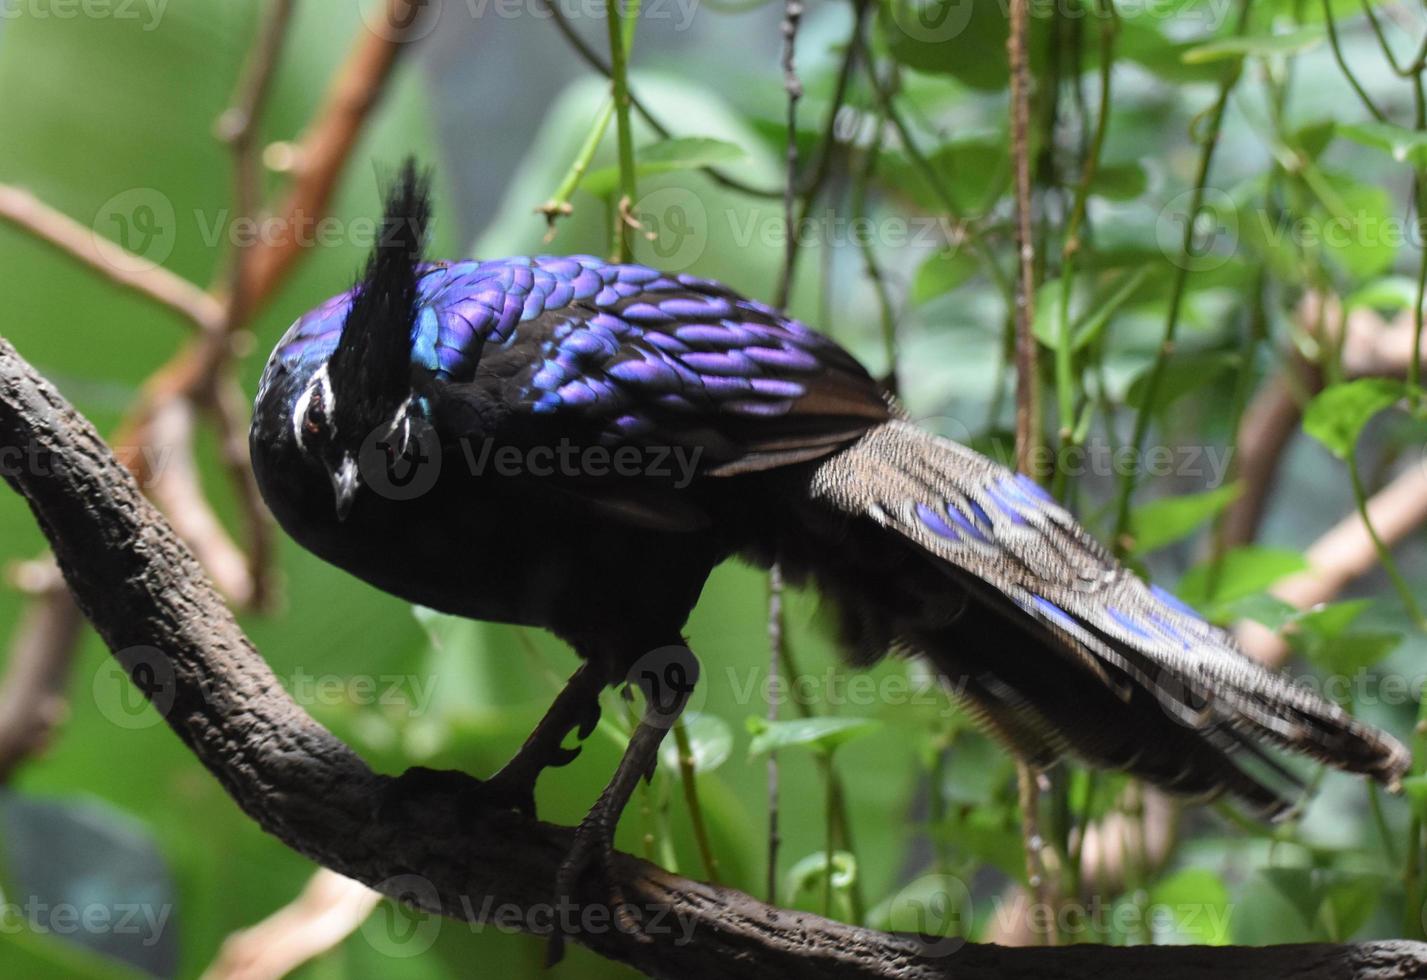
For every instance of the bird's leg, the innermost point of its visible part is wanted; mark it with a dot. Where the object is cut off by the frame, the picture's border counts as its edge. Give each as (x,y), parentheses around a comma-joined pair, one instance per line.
(667,677)
(576,708)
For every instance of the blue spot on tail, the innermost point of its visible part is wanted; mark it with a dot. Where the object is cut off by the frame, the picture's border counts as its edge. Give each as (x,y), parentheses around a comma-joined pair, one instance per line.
(1055,613)
(964,522)
(1128,623)
(935,524)
(1172,601)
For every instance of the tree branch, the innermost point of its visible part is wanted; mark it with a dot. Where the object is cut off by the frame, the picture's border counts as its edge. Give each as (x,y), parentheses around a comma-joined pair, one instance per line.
(146,595)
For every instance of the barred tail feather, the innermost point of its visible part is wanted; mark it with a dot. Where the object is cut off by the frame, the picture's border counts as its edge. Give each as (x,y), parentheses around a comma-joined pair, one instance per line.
(1113,670)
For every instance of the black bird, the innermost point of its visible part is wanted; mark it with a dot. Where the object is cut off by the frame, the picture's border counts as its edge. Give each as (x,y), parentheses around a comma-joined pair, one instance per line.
(573,444)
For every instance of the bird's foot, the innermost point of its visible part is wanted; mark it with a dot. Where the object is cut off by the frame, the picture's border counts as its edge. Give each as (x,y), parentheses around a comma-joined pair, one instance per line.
(503,791)
(592,852)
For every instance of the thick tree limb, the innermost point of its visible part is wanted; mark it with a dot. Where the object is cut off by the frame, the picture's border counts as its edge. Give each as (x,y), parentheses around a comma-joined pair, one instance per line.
(147,596)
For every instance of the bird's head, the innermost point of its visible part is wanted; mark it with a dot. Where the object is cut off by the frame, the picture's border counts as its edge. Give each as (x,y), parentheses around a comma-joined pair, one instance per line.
(366,397)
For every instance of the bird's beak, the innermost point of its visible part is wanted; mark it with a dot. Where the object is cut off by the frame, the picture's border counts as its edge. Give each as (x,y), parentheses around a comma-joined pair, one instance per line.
(344,485)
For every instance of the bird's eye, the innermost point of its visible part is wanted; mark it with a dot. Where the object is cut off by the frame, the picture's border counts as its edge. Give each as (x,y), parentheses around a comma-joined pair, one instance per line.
(314,418)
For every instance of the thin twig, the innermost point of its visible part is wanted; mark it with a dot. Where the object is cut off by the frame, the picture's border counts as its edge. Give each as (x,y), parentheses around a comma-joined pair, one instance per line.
(1128,482)
(557,206)
(115,263)
(929,175)
(875,275)
(1028,426)
(776,655)
(687,777)
(326,146)
(1070,249)
(619,92)
(817,175)
(591,57)
(793,89)
(228,409)
(238,127)
(1336,46)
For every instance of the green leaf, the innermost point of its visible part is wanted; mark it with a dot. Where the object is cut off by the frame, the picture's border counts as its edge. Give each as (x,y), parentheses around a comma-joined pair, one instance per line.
(1184,373)
(1403,145)
(810,872)
(1314,138)
(1349,899)
(1046,325)
(1161,56)
(1416,789)
(972,169)
(1357,226)
(710,744)
(1347,654)
(1199,901)
(1161,522)
(679,153)
(1263,608)
(1332,619)
(1336,417)
(942,272)
(1242,572)
(935,904)
(1388,294)
(957,38)
(1105,308)
(1120,181)
(1296,886)
(1258,46)
(820,734)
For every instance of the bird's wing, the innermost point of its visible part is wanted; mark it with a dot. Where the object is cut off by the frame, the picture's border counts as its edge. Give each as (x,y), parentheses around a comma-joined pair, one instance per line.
(683,363)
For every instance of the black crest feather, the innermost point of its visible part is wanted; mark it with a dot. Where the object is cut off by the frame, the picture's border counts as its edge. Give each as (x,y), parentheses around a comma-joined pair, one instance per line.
(372,364)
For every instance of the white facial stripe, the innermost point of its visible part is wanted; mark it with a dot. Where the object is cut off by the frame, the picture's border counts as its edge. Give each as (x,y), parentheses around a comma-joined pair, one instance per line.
(319,388)
(299,412)
(401,421)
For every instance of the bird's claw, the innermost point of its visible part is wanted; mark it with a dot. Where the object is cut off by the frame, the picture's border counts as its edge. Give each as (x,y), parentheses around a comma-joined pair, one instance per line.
(593,848)
(562,756)
(589,718)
